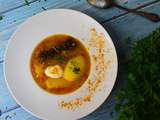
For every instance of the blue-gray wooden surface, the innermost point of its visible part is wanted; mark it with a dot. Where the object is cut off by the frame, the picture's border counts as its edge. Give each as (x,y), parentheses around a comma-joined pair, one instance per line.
(118,23)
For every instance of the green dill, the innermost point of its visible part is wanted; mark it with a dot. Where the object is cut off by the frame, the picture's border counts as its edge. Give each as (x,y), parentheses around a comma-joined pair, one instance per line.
(27,2)
(125,2)
(1,17)
(76,69)
(127,41)
(140,99)
(60,58)
(44,8)
(55,50)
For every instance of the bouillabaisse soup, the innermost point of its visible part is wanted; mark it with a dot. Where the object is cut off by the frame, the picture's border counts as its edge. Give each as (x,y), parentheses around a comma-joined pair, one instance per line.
(60,64)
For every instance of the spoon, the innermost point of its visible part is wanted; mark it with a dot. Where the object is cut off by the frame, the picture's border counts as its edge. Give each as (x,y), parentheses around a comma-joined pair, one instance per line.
(110,3)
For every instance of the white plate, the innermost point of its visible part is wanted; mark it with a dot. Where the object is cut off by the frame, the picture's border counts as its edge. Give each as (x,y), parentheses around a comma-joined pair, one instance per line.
(18,77)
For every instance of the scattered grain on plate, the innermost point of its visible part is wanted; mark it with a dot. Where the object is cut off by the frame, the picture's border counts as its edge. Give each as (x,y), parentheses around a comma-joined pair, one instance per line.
(97,42)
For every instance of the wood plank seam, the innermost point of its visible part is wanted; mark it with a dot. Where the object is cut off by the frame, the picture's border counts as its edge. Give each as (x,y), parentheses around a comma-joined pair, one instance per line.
(122,14)
(115,17)
(139,7)
(143,6)
(17,7)
(10,109)
(18,106)
(147,3)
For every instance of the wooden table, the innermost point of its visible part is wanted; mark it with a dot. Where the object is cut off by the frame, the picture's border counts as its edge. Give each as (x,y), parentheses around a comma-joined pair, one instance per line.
(118,23)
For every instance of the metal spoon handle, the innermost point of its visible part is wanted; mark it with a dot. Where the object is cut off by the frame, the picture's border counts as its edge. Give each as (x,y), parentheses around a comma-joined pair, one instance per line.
(150,16)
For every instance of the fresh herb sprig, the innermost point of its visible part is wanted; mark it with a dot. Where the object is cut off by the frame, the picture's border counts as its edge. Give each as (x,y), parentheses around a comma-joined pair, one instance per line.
(27,2)
(140,100)
(76,69)
(44,8)
(50,53)
(1,18)
(60,58)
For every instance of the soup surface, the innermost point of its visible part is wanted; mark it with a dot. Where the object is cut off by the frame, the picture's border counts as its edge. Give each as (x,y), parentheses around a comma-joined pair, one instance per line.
(60,64)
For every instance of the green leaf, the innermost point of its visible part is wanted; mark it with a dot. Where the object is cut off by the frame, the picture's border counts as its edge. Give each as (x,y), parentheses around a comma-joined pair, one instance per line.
(44,8)
(27,2)
(121,95)
(117,107)
(1,17)
(60,58)
(127,40)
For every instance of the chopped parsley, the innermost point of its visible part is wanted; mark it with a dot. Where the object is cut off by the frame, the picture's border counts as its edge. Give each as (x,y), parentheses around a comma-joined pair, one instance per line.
(76,70)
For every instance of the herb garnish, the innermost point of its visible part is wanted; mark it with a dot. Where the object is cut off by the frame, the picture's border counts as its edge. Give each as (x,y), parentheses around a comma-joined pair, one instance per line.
(76,69)
(27,2)
(140,100)
(60,58)
(44,8)
(1,17)
(45,54)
